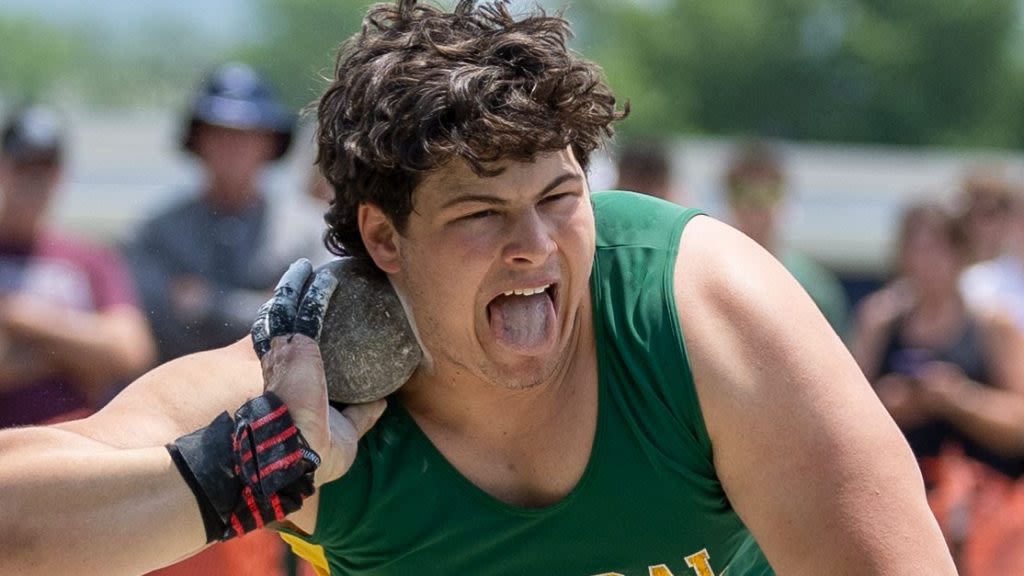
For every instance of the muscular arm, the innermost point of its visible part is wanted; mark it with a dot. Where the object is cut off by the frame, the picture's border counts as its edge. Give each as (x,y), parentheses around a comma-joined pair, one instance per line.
(806,453)
(100,495)
(130,511)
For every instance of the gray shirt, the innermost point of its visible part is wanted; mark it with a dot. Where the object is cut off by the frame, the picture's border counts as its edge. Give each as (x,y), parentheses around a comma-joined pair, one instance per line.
(226,252)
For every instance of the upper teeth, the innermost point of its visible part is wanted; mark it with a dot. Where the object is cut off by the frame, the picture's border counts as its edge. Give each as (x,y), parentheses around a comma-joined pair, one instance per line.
(527,291)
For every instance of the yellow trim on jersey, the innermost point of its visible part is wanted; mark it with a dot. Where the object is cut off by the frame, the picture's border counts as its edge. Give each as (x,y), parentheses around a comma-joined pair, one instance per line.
(309,552)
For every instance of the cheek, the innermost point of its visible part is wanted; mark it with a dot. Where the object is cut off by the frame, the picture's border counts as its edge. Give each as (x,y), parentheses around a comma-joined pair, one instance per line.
(443,279)
(477,241)
(581,235)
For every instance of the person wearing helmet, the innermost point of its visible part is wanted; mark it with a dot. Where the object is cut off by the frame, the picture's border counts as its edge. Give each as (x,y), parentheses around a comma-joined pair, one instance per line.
(63,303)
(205,265)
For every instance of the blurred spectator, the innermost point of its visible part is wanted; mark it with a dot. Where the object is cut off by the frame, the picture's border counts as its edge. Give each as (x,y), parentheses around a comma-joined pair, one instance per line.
(646,166)
(205,265)
(948,376)
(70,331)
(305,221)
(985,197)
(755,184)
(998,284)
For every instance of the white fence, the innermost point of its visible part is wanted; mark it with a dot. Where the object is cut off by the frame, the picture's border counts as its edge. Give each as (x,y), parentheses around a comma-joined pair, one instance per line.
(844,201)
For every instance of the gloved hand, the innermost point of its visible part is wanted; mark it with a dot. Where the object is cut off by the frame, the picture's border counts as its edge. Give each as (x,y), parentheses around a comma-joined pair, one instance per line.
(285,337)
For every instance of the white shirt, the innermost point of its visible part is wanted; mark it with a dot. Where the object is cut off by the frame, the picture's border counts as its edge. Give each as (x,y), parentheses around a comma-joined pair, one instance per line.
(996,285)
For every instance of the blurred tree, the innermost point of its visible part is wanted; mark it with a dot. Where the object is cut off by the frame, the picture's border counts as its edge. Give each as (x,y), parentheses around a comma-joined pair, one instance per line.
(302,39)
(78,64)
(937,71)
(144,72)
(887,71)
(892,71)
(35,57)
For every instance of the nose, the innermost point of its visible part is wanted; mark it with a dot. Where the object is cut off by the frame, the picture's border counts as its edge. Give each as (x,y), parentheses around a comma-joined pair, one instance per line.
(530,241)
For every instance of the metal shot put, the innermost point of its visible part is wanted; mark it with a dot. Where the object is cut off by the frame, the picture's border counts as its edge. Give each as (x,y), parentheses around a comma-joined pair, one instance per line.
(602,383)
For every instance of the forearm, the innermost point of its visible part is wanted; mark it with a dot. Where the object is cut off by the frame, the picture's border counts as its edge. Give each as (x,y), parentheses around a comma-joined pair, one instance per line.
(20,366)
(101,495)
(75,506)
(991,417)
(95,347)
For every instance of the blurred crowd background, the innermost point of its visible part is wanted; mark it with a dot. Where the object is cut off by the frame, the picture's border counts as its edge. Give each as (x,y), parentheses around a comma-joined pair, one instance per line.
(156,178)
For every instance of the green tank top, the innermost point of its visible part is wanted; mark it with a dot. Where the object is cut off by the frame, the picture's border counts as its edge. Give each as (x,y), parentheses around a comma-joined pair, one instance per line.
(649,502)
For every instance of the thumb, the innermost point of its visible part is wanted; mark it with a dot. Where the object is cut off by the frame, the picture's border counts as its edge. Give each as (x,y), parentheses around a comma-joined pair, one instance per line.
(364,416)
(350,424)
(347,427)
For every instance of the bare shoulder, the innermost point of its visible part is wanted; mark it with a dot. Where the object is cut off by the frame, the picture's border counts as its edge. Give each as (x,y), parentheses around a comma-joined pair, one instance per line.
(752,331)
(792,420)
(176,398)
(742,297)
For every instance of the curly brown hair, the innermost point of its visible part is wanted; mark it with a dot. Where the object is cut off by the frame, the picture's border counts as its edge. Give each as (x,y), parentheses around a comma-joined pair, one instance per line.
(420,86)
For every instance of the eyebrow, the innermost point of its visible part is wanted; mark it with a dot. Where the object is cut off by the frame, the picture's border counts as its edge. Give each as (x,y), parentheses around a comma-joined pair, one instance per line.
(496,200)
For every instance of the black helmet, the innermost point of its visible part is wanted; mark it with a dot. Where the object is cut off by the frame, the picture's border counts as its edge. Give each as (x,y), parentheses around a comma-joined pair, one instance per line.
(32,133)
(235,96)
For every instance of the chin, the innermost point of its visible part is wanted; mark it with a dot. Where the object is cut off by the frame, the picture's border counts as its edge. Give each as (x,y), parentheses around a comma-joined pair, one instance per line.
(523,375)
(517,384)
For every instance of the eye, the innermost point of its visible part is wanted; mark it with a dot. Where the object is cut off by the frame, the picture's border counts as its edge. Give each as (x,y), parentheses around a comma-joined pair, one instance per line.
(558,197)
(479,215)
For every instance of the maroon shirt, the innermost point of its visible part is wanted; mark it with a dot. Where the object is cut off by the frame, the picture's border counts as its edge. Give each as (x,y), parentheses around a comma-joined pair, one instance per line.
(72,274)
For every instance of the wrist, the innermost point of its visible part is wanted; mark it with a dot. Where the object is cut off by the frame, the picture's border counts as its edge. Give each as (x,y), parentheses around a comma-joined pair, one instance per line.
(247,471)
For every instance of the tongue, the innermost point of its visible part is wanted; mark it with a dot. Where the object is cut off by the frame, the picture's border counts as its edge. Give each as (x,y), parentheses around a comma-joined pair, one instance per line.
(521,322)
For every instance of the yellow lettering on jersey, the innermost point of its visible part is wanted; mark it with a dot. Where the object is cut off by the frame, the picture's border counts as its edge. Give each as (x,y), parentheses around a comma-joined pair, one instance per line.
(659,570)
(699,563)
(310,552)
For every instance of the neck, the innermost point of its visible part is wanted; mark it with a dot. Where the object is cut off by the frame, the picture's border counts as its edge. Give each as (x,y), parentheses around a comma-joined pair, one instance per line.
(453,399)
(232,196)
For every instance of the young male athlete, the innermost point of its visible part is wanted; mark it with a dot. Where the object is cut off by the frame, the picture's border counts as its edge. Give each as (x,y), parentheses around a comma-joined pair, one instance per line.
(611,385)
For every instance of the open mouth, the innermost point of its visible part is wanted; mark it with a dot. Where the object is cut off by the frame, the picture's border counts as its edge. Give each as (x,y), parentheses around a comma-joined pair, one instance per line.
(523,319)
(551,290)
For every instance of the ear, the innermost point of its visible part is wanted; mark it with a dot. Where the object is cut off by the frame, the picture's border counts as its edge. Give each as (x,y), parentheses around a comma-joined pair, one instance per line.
(380,237)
